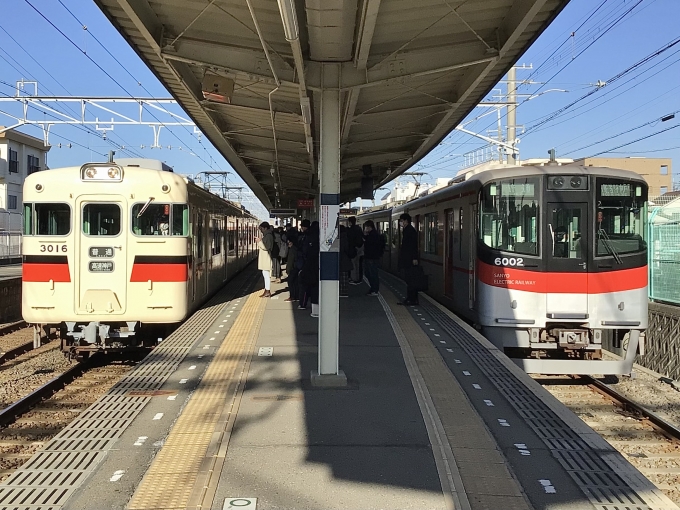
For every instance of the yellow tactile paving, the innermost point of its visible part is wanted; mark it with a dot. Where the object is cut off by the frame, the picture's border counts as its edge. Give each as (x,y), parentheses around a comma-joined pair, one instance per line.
(475,451)
(169,482)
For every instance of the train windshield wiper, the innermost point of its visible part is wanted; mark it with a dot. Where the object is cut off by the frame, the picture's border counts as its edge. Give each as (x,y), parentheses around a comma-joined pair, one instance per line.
(145,207)
(602,235)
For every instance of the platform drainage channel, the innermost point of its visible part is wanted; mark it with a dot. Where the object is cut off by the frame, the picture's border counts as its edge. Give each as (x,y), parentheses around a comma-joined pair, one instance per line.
(604,488)
(52,475)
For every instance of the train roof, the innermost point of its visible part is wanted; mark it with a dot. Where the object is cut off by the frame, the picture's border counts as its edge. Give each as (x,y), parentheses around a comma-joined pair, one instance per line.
(475,179)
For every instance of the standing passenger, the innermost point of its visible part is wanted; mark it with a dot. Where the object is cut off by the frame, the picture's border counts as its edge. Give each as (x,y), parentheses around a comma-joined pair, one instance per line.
(355,242)
(408,256)
(291,270)
(373,252)
(264,260)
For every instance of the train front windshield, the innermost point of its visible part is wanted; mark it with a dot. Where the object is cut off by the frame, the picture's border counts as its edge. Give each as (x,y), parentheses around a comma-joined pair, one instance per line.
(564,217)
(619,222)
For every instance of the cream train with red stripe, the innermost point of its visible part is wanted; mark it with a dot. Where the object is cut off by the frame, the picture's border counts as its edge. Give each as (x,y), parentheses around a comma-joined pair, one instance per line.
(114,253)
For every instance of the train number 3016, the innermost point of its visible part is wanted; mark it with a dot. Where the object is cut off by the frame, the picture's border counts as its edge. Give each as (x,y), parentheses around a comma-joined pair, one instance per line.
(509,261)
(52,248)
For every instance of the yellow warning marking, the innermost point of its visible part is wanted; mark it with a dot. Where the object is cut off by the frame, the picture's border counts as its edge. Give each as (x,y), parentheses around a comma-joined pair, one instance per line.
(169,482)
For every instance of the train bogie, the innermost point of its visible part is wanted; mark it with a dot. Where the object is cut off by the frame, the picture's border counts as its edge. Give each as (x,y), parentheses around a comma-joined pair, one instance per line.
(112,251)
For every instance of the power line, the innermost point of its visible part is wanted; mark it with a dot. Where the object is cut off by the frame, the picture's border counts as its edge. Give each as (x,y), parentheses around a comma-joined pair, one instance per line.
(100,67)
(635,141)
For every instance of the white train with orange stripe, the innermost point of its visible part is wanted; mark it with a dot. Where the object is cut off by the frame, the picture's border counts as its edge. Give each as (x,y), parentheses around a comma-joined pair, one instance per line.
(114,251)
(549,261)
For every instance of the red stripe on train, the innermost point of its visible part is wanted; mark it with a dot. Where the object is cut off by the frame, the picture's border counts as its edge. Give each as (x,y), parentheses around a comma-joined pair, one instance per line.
(40,272)
(159,273)
(562,283)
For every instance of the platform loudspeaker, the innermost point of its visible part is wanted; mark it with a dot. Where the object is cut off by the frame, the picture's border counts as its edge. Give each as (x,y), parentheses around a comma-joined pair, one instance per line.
(367,188)
(217,88)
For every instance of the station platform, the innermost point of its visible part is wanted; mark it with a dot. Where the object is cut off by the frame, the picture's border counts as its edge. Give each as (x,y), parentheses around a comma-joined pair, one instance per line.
(222,415)
(10,271)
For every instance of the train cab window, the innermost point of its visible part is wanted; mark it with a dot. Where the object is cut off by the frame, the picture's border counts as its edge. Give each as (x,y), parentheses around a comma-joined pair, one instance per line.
(180,220)
(619,224)
(52,219)
(509,218)
(151,219)
(565,227)
(101,219)
(28,219)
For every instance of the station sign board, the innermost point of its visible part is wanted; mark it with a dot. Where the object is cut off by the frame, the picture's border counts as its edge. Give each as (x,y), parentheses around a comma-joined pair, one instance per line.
(282,213)
(305,203)
(348,211)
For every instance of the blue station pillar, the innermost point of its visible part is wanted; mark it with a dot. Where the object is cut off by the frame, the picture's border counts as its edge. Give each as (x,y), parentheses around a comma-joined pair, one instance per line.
(328,373)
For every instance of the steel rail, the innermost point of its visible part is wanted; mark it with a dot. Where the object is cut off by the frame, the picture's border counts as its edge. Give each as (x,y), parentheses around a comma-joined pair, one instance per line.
(10,414)
(12,326)
(650,416)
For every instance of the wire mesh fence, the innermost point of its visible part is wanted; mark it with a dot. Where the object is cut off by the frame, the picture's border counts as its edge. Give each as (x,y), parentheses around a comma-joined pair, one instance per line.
(663,238)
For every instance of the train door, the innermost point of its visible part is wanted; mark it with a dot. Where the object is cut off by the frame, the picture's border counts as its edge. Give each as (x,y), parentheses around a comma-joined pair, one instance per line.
(101,244)
(472,259)
(566,233)
(199,248)
(448,252)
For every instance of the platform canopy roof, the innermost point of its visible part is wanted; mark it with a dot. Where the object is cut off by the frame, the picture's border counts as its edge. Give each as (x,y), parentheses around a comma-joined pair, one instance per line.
(410,71)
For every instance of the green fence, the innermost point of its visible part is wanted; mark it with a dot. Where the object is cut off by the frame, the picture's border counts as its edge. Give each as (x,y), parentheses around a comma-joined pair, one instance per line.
(663,244)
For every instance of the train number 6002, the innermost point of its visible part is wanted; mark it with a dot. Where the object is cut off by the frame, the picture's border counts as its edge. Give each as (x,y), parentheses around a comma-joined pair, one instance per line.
(509,261)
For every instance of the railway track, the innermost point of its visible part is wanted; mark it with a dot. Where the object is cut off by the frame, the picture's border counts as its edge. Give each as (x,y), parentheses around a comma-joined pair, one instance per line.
(28,423)
(649,442)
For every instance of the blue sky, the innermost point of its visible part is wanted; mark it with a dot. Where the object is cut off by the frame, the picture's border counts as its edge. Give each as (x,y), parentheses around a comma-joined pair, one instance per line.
(609,38)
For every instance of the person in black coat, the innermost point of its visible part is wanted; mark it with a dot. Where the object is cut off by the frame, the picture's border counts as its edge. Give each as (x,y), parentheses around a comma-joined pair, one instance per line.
(309,275)
(408,256)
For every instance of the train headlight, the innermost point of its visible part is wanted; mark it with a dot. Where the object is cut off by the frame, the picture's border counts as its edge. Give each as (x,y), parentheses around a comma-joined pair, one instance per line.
(558,182)
(575,182)
(165,188)
(39,187)
(101,172)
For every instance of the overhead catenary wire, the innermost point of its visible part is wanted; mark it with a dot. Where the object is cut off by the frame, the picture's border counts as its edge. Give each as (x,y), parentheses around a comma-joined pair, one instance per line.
(100,67)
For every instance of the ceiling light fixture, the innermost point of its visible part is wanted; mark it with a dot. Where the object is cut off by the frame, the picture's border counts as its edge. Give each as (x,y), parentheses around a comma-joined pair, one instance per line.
(289,18)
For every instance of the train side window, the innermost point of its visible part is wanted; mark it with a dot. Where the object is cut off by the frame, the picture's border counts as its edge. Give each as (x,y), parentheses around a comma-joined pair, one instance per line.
(180,220)
(215,234)
(199,236)
(28,219)
(431,233)
(52,219)
(101,219)
(151,219)
(460,233)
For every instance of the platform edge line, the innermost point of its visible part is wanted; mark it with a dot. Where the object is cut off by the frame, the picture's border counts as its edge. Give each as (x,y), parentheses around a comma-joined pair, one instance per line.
(449,475)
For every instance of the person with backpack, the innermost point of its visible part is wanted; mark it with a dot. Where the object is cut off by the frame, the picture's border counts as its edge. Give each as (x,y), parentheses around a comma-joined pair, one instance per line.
(264,259)
(374,247)
(355,241)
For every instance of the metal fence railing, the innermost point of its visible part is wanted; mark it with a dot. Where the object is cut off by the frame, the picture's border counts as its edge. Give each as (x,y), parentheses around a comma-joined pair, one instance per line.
(10,235)
(663,244)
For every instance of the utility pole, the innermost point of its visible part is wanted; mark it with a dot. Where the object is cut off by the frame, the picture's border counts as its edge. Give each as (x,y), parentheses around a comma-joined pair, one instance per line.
(512,112)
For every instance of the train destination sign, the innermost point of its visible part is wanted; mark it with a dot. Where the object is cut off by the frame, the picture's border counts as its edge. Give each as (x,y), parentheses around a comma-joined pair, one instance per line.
(615,190)
(101,252)
(101,267)
(525,189)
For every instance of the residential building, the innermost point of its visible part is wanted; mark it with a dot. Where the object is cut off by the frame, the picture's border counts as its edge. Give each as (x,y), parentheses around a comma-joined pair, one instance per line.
(658,172)
(20,156)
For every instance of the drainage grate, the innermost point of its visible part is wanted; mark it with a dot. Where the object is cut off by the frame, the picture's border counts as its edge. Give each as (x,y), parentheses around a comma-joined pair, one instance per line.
(53,474)
(605,489)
